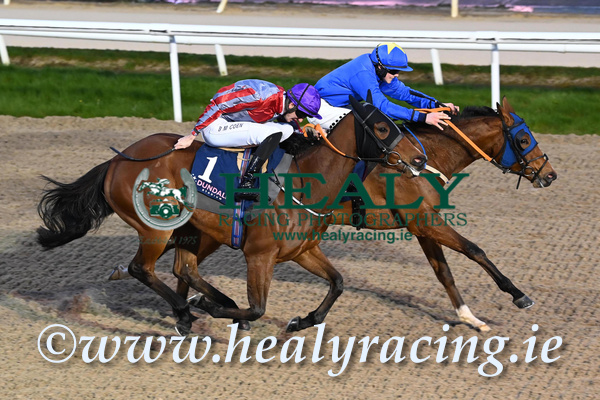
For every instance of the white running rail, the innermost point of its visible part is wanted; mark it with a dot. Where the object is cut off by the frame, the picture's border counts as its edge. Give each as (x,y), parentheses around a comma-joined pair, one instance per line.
(175,34)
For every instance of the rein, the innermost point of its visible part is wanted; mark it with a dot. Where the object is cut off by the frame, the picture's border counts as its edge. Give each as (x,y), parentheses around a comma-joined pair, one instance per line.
(142,159)
(428,167)
(384,149)
(450,124)
(523,163)
(323,136)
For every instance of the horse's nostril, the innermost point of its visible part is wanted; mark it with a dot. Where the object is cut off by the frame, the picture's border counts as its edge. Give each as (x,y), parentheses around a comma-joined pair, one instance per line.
(419,161)
(551,176)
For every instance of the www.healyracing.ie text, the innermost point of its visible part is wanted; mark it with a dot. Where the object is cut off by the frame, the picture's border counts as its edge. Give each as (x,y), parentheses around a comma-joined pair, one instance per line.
(58,343)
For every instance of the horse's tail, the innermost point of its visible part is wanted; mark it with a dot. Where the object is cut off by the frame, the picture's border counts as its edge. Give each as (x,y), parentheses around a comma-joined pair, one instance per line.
(70,210)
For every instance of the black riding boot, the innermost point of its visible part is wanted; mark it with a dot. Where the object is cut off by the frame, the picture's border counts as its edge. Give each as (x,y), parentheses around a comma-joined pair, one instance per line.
(262,154)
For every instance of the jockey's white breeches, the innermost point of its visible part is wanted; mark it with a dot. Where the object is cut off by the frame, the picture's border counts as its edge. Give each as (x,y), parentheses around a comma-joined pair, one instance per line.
(331,115)
(222,133)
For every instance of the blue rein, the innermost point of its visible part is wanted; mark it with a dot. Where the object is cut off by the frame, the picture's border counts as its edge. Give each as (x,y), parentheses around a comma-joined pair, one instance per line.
(417,139)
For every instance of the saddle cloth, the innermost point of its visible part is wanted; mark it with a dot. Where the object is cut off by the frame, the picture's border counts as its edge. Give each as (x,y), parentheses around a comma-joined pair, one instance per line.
(210,162)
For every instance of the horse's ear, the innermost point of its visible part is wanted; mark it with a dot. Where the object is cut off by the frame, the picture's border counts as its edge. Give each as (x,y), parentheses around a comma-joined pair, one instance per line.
(369,97)
(355,104)
(505,111)
(506,105)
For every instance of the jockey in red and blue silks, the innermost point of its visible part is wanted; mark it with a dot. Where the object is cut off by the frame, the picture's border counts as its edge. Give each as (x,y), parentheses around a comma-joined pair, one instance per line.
(254,112)
(376,72)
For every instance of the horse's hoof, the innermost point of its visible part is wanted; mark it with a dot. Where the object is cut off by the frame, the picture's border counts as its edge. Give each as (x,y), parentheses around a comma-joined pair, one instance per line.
(119,272)
(183,329)
(293,325)
(243,325)
(523,302)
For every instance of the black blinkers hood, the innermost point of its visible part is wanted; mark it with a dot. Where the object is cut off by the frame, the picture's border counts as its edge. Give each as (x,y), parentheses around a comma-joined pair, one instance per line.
(368,143)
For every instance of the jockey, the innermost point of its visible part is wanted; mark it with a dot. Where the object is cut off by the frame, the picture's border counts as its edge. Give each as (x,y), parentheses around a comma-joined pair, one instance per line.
(241,115)
(377,72)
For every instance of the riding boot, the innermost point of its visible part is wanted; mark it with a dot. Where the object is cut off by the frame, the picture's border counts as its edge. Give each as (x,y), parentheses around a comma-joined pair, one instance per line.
(262,154)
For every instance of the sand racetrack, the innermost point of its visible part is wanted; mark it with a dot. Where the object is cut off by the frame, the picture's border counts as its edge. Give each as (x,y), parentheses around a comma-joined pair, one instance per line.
(545,240)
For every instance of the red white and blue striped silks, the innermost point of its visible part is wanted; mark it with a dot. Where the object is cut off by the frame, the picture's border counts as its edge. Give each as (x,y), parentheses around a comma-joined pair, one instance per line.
(251,100)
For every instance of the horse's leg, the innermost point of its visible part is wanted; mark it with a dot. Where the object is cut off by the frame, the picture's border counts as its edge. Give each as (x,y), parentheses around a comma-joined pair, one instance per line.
(448,237)
(120,272)
(435,256)
(142,268)
(316,262)
(187,258)
(260,274)
(182,287)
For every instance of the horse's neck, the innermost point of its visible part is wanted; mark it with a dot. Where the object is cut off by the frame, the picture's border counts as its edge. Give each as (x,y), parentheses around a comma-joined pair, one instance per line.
(333,167)
(449,153)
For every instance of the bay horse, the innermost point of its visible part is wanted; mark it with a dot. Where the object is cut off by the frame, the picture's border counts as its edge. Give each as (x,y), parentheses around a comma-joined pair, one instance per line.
(448,153)
(69,211)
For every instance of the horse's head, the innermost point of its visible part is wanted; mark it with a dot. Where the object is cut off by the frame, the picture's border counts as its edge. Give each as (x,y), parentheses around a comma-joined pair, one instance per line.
(521,153)
(377,134)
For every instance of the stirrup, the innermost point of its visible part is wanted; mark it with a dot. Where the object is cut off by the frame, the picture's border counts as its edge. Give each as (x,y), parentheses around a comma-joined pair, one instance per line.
(246,196)
(246,183)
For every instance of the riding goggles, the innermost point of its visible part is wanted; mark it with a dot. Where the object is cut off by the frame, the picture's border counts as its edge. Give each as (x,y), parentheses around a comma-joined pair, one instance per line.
(392,71)
(301,114)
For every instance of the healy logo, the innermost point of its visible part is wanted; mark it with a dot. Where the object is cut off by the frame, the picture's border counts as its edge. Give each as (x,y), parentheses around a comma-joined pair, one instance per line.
(169,208)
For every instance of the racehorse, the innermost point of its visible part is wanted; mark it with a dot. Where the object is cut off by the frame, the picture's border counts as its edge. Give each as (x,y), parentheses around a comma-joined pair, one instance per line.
(497,134)
(69,211)
(494,133)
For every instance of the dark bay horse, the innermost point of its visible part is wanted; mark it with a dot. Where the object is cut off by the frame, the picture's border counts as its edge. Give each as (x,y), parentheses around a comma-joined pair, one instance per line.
(449,154)
(69,211)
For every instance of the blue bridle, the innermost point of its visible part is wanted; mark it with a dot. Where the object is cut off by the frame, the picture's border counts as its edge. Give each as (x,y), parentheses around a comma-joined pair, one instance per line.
(513,152)
(517,131)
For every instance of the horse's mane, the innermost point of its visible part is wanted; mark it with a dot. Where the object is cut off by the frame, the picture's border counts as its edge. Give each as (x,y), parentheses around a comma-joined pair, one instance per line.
(474,112)
(297,145)
(424,131)
(468,112)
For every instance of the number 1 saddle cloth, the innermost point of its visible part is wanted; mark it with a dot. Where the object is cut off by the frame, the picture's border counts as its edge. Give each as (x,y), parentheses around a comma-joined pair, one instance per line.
(210,163)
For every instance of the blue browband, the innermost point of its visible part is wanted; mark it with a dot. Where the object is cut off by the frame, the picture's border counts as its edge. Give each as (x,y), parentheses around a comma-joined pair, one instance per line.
(516,132)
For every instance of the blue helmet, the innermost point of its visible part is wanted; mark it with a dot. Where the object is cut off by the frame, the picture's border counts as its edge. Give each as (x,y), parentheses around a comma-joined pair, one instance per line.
(306,98)
(391,57)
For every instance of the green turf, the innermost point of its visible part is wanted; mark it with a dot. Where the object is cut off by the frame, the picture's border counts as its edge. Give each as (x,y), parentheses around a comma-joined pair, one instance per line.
(92,83)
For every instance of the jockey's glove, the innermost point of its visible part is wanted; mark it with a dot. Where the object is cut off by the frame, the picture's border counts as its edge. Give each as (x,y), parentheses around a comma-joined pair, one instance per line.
(311,133)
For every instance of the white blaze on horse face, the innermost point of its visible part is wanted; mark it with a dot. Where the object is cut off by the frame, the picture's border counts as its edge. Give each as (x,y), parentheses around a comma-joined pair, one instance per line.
(465,315)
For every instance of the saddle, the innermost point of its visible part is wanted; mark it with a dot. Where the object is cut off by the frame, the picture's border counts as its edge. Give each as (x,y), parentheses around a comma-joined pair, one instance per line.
(210,163)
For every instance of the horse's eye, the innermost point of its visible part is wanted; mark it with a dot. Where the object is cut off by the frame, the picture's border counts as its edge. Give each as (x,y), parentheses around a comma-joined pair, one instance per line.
(382,129)
(522,140)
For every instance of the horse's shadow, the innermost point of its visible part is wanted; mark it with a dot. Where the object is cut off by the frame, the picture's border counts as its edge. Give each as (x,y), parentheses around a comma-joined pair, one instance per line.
(59,278)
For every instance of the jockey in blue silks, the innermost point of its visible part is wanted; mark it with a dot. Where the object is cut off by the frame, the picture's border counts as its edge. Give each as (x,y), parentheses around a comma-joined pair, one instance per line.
(254,112)
(376,72)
